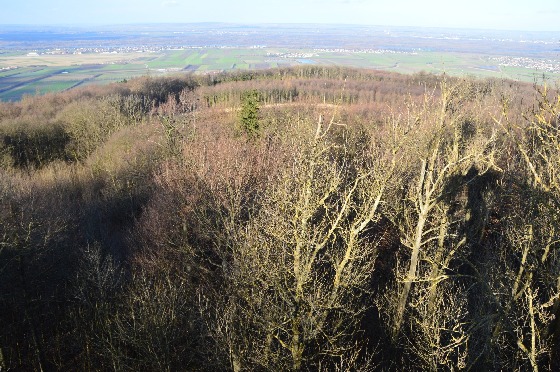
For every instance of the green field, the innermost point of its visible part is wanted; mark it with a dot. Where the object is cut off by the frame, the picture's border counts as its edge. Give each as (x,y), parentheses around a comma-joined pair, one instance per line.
(52,73)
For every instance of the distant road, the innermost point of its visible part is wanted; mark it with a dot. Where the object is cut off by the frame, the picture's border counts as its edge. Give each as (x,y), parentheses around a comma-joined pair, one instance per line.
(83,81)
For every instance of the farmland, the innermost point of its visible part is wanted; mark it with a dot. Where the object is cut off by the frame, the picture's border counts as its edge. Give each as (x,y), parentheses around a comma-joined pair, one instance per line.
(60,61)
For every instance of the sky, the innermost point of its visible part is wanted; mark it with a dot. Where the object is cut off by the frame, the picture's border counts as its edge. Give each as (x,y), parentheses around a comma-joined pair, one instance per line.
(526,15)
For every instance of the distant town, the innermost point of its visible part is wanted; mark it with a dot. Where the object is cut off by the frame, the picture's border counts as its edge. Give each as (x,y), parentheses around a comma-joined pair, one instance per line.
(548,65)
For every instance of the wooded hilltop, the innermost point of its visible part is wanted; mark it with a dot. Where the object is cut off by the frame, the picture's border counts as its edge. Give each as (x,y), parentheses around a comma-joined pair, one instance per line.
(306,219)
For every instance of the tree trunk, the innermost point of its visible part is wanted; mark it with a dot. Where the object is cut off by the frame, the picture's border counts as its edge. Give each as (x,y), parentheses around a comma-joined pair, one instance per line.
(411,276)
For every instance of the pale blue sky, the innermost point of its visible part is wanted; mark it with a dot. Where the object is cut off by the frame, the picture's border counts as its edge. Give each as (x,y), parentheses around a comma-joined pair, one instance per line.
(530,15)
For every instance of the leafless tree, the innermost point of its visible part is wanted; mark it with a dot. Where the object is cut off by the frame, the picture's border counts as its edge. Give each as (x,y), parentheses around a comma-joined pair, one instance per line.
(302,267)
(428,298)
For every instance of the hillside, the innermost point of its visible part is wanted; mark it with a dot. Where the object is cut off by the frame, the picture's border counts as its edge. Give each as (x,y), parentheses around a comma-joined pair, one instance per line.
(311,218)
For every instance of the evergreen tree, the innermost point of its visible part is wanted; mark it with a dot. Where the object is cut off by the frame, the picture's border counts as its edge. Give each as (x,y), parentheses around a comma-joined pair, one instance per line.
(249,114)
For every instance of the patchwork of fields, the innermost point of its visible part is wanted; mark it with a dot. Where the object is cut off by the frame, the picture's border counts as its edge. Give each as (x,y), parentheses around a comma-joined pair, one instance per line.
(30,73)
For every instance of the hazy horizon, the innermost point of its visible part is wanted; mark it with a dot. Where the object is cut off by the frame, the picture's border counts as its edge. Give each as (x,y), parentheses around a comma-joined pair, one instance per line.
(106,26)
(537,16)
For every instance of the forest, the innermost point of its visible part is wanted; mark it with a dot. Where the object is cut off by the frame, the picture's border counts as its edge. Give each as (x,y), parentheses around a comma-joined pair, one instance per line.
(307,219)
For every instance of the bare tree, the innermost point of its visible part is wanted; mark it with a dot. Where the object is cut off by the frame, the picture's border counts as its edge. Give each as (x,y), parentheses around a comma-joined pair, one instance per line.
(430,219)
(302,268)
(529,306)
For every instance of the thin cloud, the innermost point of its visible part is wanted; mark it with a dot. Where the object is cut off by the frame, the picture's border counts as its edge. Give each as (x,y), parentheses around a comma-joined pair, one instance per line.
(548,12)
(170,3)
